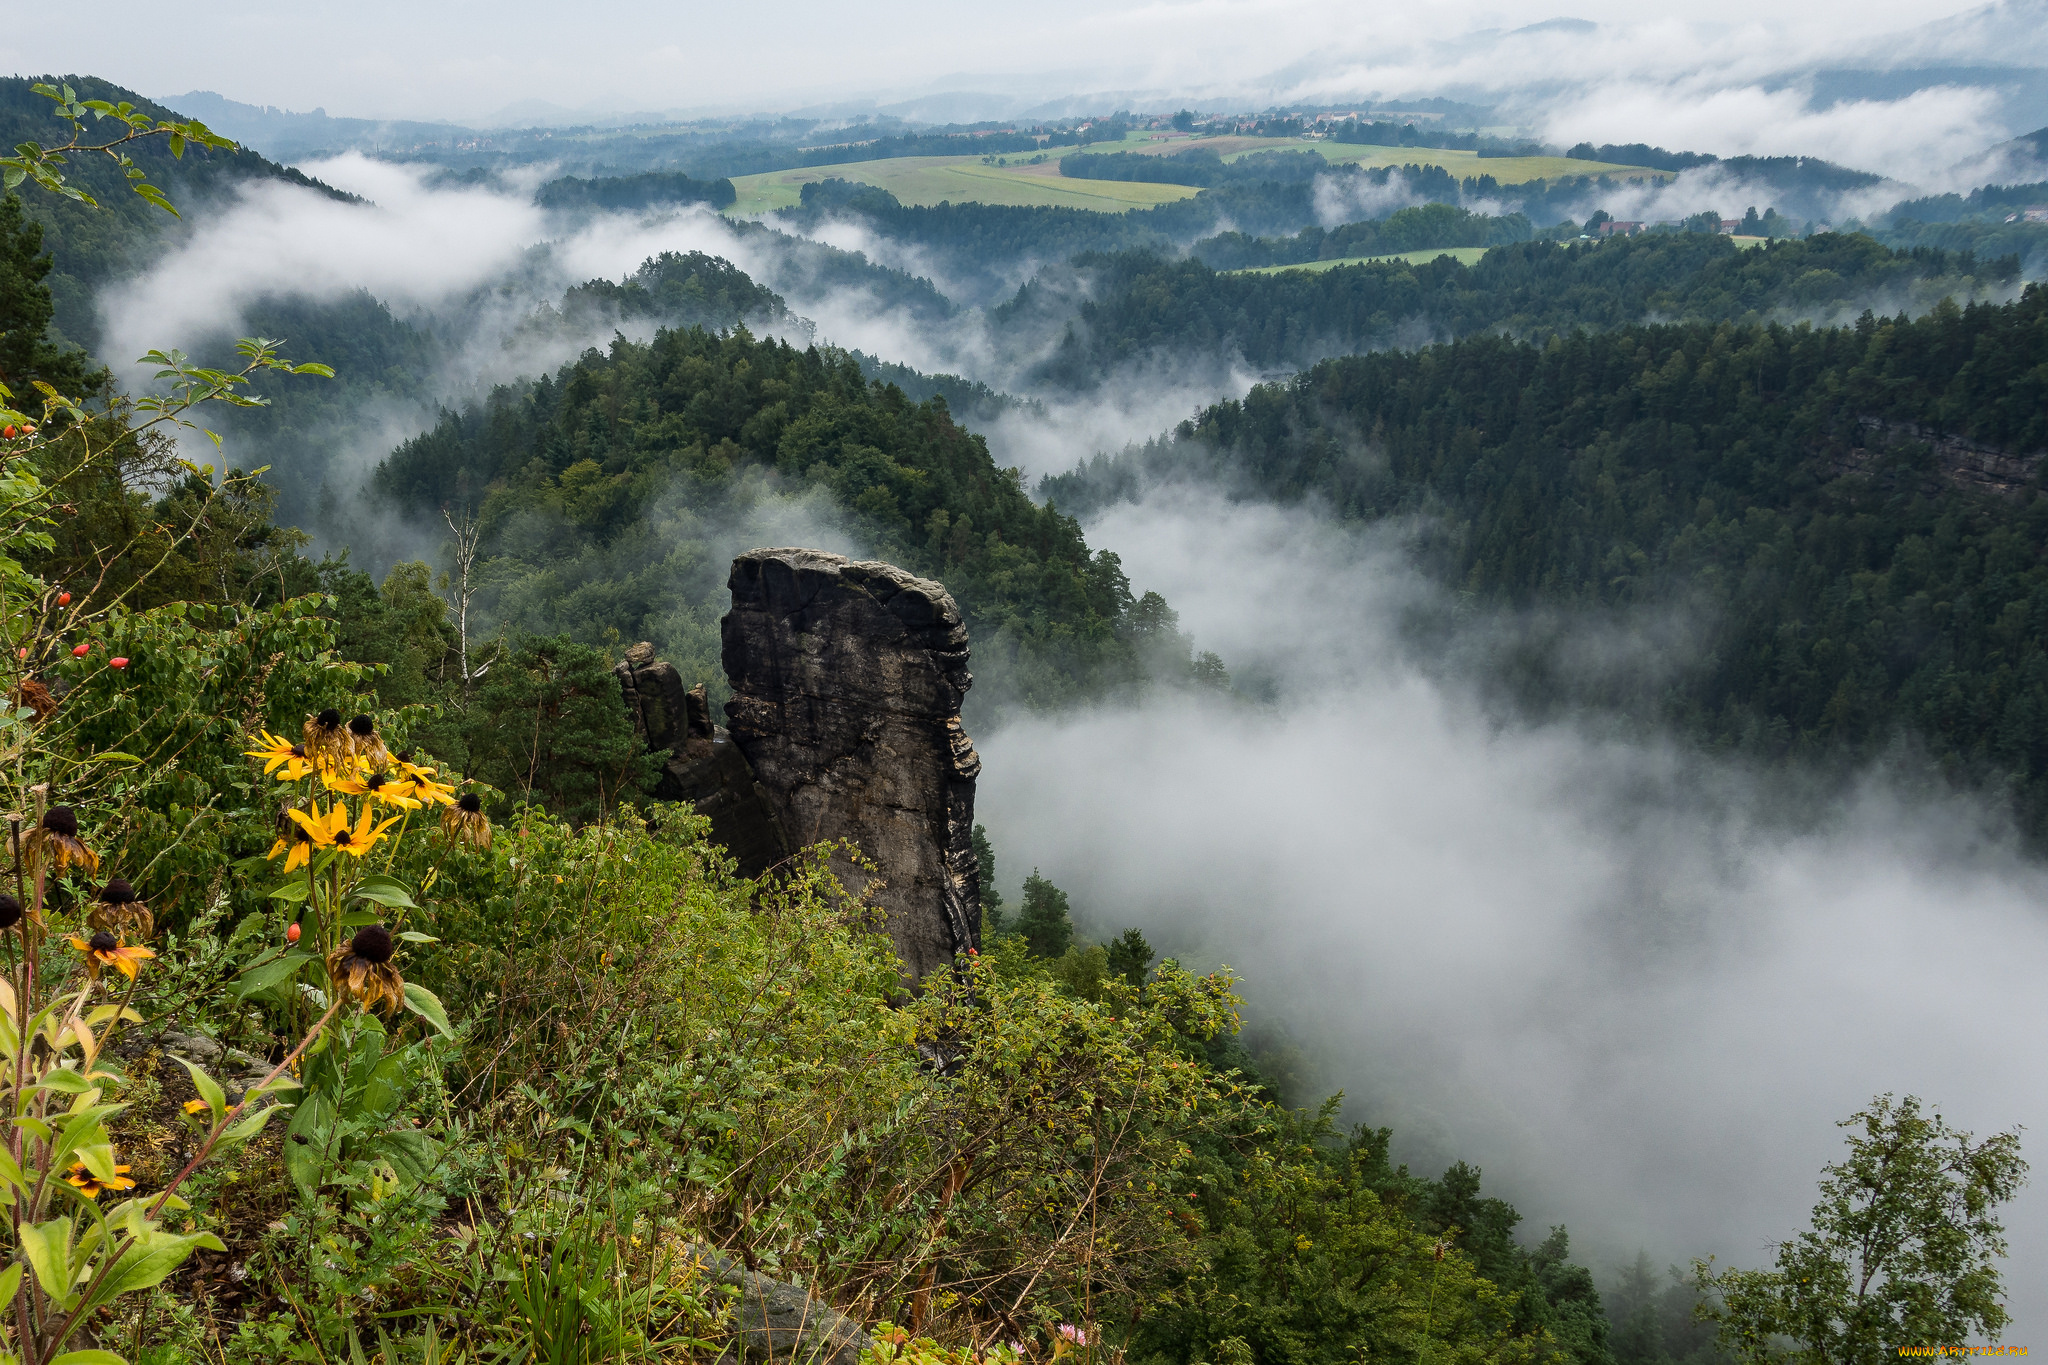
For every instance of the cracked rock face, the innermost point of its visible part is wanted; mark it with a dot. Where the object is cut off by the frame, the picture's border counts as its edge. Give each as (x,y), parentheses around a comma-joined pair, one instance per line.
(847,678)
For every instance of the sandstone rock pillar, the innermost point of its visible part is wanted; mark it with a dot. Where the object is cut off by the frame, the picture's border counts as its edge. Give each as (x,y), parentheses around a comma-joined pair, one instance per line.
(847,678)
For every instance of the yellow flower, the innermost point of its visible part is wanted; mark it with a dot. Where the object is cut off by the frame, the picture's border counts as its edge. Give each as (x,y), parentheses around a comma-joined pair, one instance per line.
(298,842)
(382,787)
(103,950)
(91,1186)
(426,788)
(281,756)
(198,1107)
(330,829)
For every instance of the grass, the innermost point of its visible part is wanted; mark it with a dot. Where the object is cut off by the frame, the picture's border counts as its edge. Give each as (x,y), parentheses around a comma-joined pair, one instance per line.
(967,179)
(1465,255)
(960,179)
(1507,170)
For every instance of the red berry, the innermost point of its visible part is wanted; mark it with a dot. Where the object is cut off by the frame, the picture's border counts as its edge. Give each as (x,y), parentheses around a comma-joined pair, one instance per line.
(21,653)
(8,433)
(118,661)
(81,651)
(63,599)
(291,935)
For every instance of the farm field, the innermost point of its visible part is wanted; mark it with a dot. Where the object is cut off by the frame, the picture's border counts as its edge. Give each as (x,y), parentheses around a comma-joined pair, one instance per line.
(1508,170)
(928,180)
(1465,255)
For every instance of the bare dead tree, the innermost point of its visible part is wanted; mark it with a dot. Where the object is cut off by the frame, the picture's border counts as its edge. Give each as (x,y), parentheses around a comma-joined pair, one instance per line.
(458,584)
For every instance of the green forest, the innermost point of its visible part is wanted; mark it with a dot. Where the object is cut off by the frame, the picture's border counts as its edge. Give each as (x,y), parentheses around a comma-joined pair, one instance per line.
(1854,576)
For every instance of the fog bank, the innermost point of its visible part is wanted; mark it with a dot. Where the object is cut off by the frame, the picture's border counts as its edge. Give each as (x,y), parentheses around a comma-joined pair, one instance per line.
(1606,971)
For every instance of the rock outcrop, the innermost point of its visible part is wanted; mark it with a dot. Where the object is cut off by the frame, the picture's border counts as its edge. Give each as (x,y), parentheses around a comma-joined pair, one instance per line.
(704,767)
(778,1323)
(847,678)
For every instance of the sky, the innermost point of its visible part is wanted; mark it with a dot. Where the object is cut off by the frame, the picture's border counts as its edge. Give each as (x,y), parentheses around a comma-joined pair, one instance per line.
(466,61)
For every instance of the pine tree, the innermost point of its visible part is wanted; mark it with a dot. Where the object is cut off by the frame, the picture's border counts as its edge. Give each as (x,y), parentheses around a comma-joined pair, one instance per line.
(26,354)
(1044,921)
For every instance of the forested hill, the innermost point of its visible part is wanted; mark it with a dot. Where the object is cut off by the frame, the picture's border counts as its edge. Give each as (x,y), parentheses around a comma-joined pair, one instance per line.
(93,245)
(1145,305)
(1853,518)
(612,495)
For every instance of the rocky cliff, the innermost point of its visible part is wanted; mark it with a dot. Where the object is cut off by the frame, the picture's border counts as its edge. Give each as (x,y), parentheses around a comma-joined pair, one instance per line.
(847,678)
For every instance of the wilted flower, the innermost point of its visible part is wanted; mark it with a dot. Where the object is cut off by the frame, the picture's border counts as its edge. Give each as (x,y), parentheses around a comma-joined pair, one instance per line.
(55,842)
(326,739)
(365,743)
(281,756)
(330,829)
(35,697)
(361,969)
(91,1186)
(103,950)
(465,821)
(120,910)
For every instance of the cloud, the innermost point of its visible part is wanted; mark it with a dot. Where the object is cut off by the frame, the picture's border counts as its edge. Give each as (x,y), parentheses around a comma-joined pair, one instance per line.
(1635,985)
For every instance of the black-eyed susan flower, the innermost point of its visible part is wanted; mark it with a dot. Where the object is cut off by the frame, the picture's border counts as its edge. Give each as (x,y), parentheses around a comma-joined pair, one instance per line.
(326,740)
(281,756)
(120,910)
(103,950)
(361,969)
(465,822)
(424,786)
(91,1186)
(383,788)
(331,829)
(296,845)
(366,743)
(54,843)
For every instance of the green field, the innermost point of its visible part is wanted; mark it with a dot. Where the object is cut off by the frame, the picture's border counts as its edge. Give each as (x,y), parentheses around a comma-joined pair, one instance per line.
(960,179)
(1467,255)
(1507,170)
(967,179)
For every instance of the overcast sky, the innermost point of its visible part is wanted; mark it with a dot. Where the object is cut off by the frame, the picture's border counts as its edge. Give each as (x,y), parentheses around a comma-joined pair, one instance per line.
(466,60)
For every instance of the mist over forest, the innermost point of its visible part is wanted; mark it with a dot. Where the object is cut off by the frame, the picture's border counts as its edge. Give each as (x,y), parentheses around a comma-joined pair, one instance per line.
(1504,562)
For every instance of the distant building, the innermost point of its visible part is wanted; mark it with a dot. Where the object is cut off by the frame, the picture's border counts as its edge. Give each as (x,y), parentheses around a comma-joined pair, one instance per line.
(2036,213)
(1617,227)
(1728,225)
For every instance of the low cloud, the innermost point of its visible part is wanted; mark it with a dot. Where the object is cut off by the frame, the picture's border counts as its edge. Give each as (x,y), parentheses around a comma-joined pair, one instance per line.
(1635,985)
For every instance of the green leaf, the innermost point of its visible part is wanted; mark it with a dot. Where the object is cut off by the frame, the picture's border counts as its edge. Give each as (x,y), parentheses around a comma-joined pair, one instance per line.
(427,1006)
(155,1255)
(10,1280)
(47,1247)
(208,1088)
(293,890)
(251,1124)
(415,936)
(274,973)
(385,890)
(88,1358)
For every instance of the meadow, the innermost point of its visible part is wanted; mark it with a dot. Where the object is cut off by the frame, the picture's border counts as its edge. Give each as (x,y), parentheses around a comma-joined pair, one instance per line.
(926,180)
